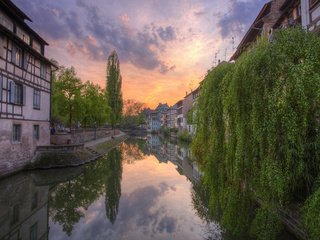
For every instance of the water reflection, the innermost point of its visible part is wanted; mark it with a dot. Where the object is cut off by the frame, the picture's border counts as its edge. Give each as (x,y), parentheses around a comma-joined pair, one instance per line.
(24,208)
(113,184)
(144,189)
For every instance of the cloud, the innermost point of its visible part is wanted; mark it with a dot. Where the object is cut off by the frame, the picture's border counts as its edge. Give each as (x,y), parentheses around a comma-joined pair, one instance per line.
(200,13)
(167,34)
(72,21)
(164,68)
(240,16)
(140,48)
(45,18)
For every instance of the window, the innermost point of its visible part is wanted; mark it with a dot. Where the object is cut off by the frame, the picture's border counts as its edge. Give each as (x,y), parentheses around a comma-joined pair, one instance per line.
(43,71)
(16,133)
(36,46)
(36,99)
(34,202)
(22,34)
(15,93)
(6,22)
(25,60)
(16,56)
(15,214)
(36,132)
(34,232)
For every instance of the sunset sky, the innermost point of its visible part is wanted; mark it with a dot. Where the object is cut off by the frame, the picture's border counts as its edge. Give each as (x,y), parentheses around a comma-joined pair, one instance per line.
(165,46)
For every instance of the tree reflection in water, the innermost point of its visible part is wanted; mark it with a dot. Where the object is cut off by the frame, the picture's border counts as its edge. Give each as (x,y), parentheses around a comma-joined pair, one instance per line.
(69,200)
(113,184)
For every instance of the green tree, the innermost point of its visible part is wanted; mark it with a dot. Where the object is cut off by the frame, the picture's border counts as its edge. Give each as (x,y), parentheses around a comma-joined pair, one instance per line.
(67,101)
(258,133)
(96,109)
(133,113)
(113,89)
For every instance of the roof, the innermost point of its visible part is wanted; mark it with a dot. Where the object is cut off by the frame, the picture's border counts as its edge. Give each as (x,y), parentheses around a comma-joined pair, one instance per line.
(15,12)
(21,42)
(162,105)
(254,30)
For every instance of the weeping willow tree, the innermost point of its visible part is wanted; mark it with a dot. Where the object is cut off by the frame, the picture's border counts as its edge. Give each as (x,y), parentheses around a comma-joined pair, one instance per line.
(258,132)
(113,89)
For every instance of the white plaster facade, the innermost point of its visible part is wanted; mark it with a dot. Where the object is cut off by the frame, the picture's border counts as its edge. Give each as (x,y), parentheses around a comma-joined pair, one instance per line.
(25,90)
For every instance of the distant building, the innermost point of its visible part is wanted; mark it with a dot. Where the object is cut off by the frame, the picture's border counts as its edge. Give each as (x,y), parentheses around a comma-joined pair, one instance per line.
(195,96)
(180,120)
(155,118)
(187,106)
(171,117)
(25,89)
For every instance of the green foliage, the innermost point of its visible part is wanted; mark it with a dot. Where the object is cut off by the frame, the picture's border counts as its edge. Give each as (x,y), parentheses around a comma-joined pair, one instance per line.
(113,184)
(113,90)
(66,97)
(266,224)
(69,200)
(165,131)
(133,113)
(311,215)
(258,127)
(190,116)
(184,136)
(96,111)
(73,101)
(174,130)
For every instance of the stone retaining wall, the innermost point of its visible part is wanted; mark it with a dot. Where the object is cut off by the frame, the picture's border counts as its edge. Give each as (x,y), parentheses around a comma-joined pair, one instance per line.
(81,137)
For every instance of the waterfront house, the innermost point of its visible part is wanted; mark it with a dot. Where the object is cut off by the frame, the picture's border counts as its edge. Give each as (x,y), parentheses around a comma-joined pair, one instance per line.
(155,118)
(171,116)
(25,89)
(312,12)
(180,120)
(24,210)
(187,106)
(281,14)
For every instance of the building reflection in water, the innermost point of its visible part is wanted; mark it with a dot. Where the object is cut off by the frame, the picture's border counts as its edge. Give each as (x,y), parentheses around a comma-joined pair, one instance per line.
(179,155)
(23,208)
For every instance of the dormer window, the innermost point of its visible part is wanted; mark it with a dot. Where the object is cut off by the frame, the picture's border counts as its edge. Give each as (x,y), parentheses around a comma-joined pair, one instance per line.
(25,37)
(36,46)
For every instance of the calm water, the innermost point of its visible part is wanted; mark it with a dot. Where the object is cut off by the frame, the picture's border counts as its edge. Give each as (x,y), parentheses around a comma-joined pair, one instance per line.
(144,189)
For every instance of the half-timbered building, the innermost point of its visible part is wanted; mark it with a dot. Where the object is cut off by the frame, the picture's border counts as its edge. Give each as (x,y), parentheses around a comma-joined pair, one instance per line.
(25,87)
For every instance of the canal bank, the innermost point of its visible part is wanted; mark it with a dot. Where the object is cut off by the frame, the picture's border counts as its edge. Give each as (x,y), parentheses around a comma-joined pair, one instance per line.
(61,156)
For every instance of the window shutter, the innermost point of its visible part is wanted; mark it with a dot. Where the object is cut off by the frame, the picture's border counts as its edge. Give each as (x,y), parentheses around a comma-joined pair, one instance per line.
(25,60)
(13,54)
(1,86)
(24,94)
(1,46)
(11,92)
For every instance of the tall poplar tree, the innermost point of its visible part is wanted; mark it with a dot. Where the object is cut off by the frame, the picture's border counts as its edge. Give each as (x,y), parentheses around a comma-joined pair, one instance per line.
(113,89)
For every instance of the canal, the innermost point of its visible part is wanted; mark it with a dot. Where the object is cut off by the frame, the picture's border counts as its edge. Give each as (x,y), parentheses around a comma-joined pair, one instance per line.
(143,189)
